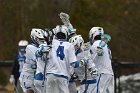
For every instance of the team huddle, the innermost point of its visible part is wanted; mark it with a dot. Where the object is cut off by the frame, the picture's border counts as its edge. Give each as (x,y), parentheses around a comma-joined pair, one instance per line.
(58,59)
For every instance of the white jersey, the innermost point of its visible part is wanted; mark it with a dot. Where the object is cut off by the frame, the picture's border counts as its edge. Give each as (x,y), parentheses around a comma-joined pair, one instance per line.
(40,65)
(61,55)
(102,63)
(80,71)
(29,66)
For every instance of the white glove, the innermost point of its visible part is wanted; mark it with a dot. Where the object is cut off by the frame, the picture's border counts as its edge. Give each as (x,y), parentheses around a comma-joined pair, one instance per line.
(65,18)
(99,51)
(83,62)
(12,79)
(43,48)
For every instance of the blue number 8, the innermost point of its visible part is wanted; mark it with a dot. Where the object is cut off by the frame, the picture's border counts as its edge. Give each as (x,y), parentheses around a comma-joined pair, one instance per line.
(60,52)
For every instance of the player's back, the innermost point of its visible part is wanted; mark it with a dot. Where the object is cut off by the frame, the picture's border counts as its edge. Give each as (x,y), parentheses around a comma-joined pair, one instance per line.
(30,63)
(80,71)
(103,62)
(61,55)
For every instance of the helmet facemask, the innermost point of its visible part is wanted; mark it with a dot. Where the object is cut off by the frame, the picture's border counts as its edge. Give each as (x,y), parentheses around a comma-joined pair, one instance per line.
(22,45)
(21,49)
(77,41)
(37,36)
(95,32)
(40,40)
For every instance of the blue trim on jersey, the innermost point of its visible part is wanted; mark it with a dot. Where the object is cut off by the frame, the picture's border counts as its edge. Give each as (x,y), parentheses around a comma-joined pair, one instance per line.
(34,42)
(33,60)
(26,86)
(89,81)
(71,81)
(78,51)
(21,57)
(98,84)
(62,40)
(37,54)
(75,64)
(62,76)
(39,76)
(91,51)
(86,88)
(33,66)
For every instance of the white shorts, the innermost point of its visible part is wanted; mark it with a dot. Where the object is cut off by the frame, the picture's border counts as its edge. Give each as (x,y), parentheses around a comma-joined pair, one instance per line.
(56,84)
(88,86)
(105,84)
(39,86)
(39,82)
(27,82)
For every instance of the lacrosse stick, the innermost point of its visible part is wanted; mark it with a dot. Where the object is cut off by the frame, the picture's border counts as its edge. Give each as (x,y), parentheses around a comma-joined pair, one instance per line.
(105,38)
(44,74)
(65,19)
(46,58)
(85,49)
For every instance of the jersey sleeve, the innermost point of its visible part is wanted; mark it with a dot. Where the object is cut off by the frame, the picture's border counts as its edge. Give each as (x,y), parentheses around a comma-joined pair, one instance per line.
(30,55)
(71,54)
(93,51)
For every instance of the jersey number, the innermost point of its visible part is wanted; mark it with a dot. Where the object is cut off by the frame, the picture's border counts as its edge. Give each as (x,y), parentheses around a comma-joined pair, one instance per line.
(60,52)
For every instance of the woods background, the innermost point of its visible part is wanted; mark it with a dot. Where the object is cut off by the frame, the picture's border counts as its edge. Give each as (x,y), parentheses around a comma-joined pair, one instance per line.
(119,18)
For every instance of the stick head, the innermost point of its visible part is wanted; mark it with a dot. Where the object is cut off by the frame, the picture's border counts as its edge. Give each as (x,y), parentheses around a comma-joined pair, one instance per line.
(105,38)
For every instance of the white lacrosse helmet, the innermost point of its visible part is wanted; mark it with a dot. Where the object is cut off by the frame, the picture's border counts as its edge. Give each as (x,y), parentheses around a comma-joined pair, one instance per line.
(45,34)
(23,43)
(61,28)
(37,35)
(94,32)
(77,40)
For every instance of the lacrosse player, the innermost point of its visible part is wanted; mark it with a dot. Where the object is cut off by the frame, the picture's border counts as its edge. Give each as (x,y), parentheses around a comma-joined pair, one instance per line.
(71,32)
(105,80)
(18,65)
(39,75)
(58,66)
(29,67)
(87,76)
